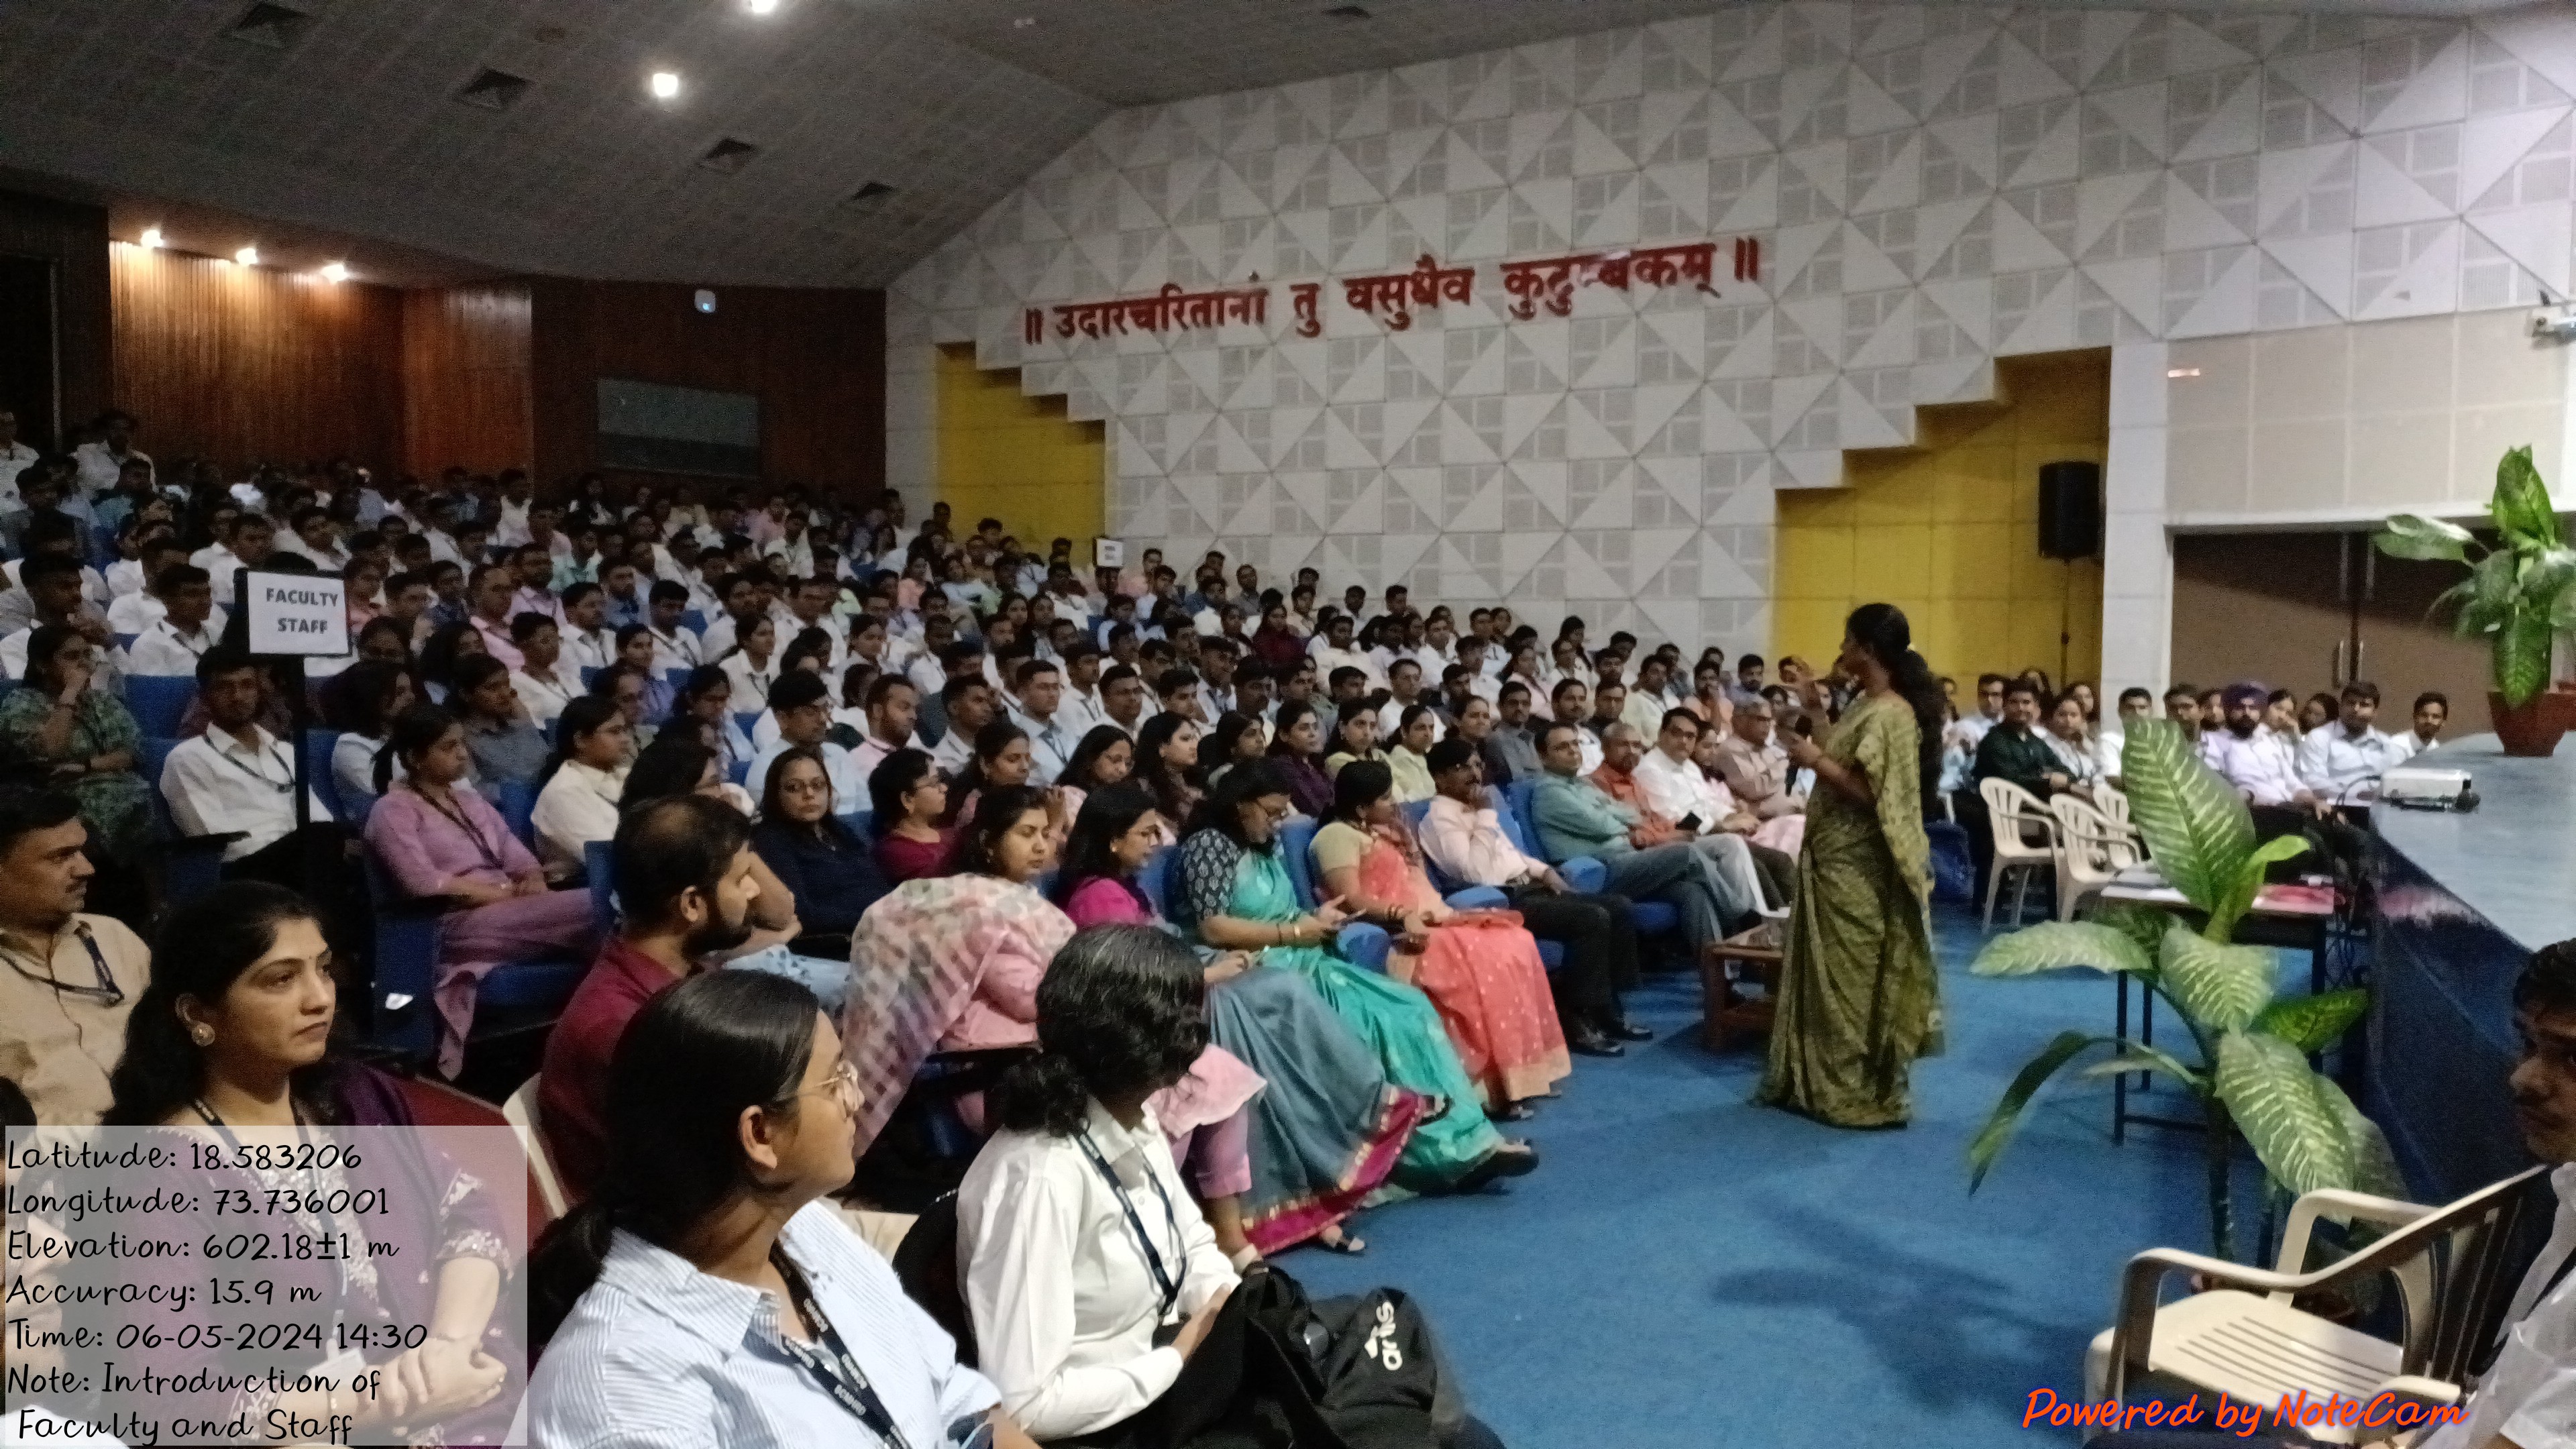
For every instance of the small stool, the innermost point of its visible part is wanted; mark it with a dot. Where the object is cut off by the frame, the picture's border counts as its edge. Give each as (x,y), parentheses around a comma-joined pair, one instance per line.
(1753,954)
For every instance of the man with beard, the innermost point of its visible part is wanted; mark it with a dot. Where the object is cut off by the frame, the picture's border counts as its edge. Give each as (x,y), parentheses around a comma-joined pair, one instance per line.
(687,878)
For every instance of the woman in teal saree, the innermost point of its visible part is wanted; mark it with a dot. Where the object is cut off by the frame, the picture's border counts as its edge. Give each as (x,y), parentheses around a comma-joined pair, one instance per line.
(1235,888)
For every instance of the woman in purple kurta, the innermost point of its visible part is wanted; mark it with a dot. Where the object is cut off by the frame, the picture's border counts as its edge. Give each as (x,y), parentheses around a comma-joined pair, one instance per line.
(232,1040)
(440,841)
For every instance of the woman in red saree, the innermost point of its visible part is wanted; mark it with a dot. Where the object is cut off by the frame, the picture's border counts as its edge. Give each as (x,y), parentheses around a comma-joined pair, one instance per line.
(1480,968)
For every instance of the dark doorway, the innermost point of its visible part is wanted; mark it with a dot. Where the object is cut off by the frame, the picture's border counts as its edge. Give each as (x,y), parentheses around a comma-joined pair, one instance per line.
(29,385)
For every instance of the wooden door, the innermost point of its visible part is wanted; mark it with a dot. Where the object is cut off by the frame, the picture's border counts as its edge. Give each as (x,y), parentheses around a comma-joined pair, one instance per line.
(2272,607)
(2406,653)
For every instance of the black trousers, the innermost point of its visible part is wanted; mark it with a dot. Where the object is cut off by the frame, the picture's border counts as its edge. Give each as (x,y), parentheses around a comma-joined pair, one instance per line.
(1599,933)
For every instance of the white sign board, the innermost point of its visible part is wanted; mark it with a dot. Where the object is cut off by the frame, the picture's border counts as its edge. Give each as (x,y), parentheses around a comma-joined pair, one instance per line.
(298,614)
(1108,553)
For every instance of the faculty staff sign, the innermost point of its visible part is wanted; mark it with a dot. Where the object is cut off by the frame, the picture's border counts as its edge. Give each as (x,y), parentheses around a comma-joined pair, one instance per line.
(304,614)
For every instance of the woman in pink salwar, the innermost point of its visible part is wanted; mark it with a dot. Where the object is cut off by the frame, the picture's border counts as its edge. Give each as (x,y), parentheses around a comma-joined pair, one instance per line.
(953,962)
(440,841)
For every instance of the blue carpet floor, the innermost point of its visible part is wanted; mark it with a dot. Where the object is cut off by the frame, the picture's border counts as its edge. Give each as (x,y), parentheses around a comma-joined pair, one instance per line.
(1686,1269)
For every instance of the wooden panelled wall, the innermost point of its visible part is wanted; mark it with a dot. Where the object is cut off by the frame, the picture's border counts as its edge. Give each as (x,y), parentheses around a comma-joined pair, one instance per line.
(73,239)
(814,357)
(466,379)
(246,364)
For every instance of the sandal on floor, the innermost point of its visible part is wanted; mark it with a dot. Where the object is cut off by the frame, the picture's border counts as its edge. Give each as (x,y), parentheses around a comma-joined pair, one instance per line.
(1345,1244)
(1513,1112)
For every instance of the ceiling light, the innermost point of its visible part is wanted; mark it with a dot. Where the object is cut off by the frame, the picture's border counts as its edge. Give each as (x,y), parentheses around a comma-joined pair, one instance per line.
(152,237)
(335,272)
(247,256)
(2182,372)
(761,7)
(665,84)
(1024,22)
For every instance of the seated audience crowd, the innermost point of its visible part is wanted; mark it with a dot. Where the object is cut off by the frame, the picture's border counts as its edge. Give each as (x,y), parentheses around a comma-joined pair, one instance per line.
(1233,910)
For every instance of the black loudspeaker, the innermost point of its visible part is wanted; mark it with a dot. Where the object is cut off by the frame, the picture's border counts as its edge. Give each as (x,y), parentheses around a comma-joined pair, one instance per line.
(2070,509)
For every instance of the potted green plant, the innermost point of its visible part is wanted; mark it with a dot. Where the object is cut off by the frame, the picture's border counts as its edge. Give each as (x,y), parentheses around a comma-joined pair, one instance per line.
(2251,1078)
(2520,594)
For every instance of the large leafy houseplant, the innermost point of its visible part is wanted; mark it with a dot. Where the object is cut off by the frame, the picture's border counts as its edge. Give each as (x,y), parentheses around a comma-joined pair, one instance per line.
(2252,1076)
(2520,594)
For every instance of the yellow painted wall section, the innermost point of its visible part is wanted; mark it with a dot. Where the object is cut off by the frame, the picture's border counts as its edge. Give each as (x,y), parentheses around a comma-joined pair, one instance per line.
(1017,458)
(1948,531)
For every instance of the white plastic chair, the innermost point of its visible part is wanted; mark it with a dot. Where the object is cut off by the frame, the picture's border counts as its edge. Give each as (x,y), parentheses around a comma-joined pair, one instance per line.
(2242,1338)
(521,1113)
(2091,850)
(2025,837)
(2113,804)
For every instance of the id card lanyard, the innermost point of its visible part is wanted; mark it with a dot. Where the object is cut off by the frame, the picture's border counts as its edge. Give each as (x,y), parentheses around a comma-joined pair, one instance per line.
(827,1360)
(1164,1283)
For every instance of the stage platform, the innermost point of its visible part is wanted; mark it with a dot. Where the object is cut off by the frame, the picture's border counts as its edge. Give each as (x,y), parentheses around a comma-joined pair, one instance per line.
(2462,900)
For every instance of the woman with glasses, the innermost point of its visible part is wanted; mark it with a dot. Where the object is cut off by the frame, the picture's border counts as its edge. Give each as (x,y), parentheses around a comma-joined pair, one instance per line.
(706,1293)
(827,868)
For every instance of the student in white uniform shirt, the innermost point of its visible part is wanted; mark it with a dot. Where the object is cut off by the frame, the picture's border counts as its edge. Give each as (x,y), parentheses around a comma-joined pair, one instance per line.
(752,669)
(801,705)
(191,624)
(675,645)
(239,777)
(254,539)
(102,462)
(2342,761)
(134,613)
(1039,709)
(588,642)
(543,681)
(2432,711)
(969,704)
(53,596)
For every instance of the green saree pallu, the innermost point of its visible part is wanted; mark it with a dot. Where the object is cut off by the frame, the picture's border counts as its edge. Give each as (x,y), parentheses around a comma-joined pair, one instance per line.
(1396,1021)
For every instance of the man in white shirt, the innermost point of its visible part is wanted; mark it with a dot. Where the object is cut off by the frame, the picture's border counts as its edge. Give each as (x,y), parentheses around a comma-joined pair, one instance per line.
(2245,758)
(2526,1399)
(190,625)
(1040,711)
(893,706)
(1572,701)
(53,589)
(1336,653)
(135,612)
(588,643)
(254,539)
(102,462)
(1082,710)
(1122,700)
(511,529)
(2110,743)
(675,646)
(1971,728)
(802,705)
(1674,788)
(239,777)
(969,703)
(2341,763)
(2432,711)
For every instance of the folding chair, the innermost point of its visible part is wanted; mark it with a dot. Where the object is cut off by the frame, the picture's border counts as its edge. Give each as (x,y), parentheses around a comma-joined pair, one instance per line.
(2243,1338)
(2025,837)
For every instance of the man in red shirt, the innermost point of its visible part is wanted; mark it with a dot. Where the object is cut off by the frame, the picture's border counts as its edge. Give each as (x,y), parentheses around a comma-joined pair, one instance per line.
(685,880)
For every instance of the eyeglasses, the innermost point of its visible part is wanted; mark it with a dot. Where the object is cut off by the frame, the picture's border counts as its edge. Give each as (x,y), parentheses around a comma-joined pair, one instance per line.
(844,1085)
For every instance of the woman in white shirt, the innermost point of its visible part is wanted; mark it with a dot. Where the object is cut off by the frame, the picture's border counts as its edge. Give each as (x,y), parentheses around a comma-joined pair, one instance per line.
(751,666)
(360,702)
(587,775)
(2070,739)
(704,1293)
(1091,1279)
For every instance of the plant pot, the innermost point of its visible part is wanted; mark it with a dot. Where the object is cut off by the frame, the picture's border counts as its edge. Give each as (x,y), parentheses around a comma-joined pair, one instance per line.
(2532,729)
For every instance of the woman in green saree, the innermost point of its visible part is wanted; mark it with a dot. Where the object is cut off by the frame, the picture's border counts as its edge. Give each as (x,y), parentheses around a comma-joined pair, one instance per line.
(1859,999)
(1234,886)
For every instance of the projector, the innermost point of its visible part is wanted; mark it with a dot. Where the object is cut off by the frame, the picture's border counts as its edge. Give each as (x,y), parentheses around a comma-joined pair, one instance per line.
(2428,789)
(2554,324)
